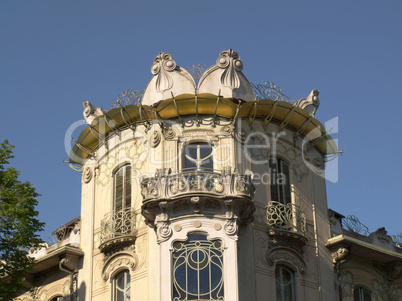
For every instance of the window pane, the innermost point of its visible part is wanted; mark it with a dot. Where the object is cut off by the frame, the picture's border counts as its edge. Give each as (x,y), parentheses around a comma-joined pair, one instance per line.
(198,155)
(280,181)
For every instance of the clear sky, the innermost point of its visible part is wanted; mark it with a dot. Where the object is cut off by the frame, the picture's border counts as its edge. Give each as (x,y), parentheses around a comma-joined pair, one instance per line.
(56,54)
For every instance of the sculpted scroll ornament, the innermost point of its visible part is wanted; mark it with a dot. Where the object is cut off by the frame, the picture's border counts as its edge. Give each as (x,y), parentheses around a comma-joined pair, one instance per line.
(163,64)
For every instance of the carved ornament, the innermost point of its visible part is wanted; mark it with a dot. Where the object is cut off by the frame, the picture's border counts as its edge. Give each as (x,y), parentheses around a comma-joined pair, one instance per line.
(87,175)
(163,64)
(230,61)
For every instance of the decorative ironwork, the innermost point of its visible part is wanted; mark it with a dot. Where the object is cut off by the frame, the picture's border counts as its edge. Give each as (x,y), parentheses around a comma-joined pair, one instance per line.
(198,269)
(61,234)
(118,226)
(269,90)
(397,239)
(128,97)
(197,182)
(287,217)
(196,70)
(352,223)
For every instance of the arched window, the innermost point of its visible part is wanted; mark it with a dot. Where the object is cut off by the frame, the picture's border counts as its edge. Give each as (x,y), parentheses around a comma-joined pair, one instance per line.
(361,294)
(122,286)
(58,298)
(280,183)
(198,156)
(122,188)
(198,269)
(285,284)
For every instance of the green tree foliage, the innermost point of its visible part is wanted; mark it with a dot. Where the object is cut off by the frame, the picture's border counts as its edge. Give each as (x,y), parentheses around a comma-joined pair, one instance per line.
(19,226)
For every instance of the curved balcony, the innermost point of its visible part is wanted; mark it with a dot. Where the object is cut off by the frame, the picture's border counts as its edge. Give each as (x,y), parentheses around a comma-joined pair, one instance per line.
(117,228)
(196,186)
(286,220)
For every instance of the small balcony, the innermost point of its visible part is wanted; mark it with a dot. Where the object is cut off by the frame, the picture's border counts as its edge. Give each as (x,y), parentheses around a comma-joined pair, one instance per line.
(196,182)
(202,189)
(117,228)
(286,219)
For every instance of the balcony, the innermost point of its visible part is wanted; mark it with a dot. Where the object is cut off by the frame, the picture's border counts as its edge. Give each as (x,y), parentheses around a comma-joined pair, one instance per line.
(286,220)
(117,228)
(202,189)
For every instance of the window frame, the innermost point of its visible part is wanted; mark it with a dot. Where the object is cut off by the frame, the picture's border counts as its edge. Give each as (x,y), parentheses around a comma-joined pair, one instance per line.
(210,157)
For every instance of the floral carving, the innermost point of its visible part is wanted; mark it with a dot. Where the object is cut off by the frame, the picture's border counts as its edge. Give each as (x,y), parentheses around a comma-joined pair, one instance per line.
(231,227)
(163,64)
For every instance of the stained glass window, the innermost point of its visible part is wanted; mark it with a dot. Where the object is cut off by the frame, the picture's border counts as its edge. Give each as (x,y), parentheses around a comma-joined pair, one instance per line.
(198,269)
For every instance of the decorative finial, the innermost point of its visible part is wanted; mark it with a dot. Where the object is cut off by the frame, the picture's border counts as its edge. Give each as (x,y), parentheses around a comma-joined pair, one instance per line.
(311,103)
(163,63)
(90,112)
(230,61)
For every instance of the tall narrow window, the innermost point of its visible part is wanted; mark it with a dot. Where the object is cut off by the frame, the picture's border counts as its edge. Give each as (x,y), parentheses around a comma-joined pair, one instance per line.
(198,269)
(361,294)
(122,188)
(280,184)
(198,156)
(285,285)
(122,286)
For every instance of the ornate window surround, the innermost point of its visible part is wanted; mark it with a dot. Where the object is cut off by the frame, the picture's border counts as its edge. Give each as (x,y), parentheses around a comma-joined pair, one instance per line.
(214,229)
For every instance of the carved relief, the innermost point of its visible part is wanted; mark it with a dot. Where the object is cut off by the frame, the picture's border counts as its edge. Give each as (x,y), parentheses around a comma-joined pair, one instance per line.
(125,258)
(231,227)
(169,134)
(156,139)
(339,255)
(87,175)
(281,255)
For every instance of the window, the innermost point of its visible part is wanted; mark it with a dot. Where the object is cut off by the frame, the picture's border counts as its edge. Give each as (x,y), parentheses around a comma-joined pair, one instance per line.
(121,287)
(122,188)
(198,156)
(58,298)
(361,294)
(285,285)
(198,269)
(280,184)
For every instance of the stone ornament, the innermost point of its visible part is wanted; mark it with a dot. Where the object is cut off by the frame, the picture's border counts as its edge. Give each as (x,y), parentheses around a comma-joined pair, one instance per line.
(163,232)
(156,139)
(231,227)
(163,63)
(339,255)
(229,60)
(169,134)
(310,104)
(87,175)
(90,112)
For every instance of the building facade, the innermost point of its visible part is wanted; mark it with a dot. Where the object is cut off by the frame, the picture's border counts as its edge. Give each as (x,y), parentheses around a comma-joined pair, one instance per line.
(209,188)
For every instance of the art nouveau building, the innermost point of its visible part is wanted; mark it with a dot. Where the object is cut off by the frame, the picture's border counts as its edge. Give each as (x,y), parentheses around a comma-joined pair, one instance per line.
(209,191)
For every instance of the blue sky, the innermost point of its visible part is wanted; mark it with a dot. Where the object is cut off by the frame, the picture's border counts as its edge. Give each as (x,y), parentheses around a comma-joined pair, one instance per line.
(56,54)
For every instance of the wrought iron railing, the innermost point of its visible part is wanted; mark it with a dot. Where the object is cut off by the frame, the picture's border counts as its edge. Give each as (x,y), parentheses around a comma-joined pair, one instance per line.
(287,217)
(353,224)
(118,224)
(197,182)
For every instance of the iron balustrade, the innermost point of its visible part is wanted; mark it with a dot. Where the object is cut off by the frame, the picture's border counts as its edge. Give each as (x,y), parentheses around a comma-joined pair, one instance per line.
(286,217)
(118,226)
